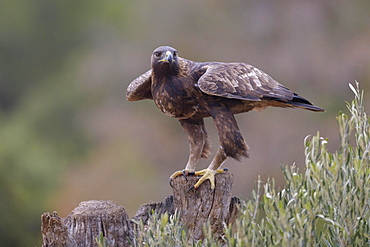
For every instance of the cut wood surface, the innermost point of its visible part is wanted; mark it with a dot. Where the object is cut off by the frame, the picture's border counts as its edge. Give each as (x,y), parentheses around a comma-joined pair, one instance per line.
(85,223)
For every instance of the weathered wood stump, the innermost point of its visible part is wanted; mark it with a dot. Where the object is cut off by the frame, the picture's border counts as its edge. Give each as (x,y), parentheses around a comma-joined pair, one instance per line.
(85,223)
(196,207)
(144,211)
(203,204)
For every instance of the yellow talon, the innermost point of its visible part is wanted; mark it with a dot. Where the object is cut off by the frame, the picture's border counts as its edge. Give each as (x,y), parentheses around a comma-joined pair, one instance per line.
(176,174)
(205,173)
(179,173)
(208,174)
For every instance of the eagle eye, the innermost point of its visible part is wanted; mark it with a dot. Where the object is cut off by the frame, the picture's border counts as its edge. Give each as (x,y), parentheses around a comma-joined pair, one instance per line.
(175,53)
(158,54)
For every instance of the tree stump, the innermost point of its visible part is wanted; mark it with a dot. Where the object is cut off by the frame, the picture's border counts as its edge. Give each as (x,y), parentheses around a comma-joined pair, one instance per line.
(144,211)
(85,223)
(200,205)
(196,207)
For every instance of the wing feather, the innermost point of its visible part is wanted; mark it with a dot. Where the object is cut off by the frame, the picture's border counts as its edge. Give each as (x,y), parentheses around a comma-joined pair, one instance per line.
(240,81)
(140,88)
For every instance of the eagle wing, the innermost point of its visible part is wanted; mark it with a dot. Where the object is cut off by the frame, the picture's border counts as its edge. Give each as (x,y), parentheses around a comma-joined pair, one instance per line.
(140,88)
(240,81)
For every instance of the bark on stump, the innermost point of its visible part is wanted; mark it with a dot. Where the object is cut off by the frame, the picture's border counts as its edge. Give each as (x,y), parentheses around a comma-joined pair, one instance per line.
(144,211)
(85,223)
(203,204)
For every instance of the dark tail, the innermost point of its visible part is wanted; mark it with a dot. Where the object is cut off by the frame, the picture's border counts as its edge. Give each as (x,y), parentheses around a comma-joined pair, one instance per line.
(301,102)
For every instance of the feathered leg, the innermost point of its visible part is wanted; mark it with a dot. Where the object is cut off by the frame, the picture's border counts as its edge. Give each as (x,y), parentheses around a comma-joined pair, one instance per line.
(232,143)
(199,144)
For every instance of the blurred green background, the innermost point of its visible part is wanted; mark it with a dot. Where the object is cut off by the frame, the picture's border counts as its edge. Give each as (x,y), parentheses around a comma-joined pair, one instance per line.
(67,134)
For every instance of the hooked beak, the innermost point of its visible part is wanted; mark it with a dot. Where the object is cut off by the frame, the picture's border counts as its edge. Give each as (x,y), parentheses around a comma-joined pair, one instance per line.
(168,57)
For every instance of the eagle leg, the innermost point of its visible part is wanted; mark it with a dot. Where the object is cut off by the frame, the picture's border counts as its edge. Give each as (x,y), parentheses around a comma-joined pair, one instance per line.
(232,143)
(199,145)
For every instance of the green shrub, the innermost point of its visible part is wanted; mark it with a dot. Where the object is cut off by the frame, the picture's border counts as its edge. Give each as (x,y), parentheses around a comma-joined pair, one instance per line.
(326,205)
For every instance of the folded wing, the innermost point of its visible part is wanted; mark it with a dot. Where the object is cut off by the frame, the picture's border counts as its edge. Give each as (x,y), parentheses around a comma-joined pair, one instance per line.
(241,81)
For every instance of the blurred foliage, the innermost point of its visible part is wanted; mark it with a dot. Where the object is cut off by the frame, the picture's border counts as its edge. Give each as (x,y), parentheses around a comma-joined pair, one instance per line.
(38,141)
(39,104)
(66,133)
(326,205)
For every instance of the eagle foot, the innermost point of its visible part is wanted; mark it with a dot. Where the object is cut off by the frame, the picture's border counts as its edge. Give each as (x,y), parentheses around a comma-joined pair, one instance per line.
(207,174)
(184,172)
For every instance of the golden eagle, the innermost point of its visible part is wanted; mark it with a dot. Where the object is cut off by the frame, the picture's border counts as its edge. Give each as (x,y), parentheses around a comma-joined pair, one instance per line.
(191,91)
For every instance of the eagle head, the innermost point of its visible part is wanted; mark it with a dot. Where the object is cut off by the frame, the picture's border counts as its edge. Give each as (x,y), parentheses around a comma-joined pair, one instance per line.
(165,61)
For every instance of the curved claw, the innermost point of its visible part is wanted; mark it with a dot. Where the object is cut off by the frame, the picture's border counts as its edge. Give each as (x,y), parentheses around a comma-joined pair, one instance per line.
(192,187)
(184,173)
(170,182)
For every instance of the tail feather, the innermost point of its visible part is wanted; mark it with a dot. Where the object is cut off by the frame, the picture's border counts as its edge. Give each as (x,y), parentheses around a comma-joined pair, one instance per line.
(301,102)
(296,101)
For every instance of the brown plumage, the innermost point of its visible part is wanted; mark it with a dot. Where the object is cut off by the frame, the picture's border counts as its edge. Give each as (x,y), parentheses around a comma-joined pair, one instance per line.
(191,91)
